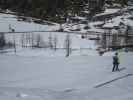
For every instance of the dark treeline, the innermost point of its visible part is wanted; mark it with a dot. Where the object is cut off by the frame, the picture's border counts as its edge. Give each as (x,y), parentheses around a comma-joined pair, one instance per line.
(44,8)
(48,9)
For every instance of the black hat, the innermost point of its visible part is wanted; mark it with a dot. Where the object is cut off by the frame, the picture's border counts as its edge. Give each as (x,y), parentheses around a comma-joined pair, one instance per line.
(116,53)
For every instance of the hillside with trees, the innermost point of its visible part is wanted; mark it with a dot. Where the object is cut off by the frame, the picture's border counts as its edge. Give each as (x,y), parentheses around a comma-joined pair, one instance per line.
(54,10)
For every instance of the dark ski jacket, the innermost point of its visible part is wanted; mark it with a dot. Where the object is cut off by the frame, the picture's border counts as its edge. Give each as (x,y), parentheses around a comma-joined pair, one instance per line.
(115,60)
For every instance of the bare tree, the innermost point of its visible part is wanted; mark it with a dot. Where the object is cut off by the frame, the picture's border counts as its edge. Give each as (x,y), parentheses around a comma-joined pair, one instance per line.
(38,40)
(22,40)
(14,43)
(50,41)
(39,43)
(68,45)
(2,40)
(27,39)
(61,28)
(104,40)
(114,40)
(32,41)
(126,35)
(55,42)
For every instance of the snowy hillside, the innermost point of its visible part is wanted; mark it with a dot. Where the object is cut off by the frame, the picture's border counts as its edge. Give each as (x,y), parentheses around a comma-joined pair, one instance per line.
(33,30)
(108,19)
(8,20)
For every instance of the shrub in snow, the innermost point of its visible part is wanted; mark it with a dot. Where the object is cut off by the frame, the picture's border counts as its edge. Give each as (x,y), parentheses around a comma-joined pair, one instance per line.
(86,27)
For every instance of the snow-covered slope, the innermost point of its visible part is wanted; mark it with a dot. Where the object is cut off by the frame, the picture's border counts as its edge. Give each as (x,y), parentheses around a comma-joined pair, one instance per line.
(31,78)
(8,20)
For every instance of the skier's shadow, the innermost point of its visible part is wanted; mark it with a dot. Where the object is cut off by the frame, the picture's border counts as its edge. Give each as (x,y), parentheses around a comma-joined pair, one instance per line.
(123,68)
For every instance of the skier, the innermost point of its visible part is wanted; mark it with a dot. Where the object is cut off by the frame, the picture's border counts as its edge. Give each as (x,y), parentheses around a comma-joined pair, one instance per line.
(115,62)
